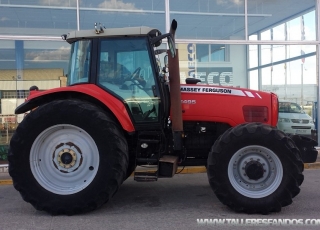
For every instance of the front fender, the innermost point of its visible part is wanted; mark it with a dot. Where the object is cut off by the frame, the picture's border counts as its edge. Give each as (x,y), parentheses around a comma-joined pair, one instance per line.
(306,147)
(88,91)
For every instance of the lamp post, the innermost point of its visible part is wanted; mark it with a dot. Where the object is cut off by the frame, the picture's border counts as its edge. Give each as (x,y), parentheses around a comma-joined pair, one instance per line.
(16,79)
(7,133)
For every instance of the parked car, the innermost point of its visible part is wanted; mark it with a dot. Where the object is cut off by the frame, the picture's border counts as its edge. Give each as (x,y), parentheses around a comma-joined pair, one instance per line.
(294,120)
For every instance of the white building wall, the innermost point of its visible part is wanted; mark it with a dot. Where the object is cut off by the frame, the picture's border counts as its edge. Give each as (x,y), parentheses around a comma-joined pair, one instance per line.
(25,85)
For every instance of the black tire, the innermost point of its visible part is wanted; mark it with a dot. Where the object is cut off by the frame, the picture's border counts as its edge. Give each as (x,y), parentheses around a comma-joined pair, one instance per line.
(131,165)
(245,165)
(82,165)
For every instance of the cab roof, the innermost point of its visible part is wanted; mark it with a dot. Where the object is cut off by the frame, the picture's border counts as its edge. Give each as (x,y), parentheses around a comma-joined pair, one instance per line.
(112,32)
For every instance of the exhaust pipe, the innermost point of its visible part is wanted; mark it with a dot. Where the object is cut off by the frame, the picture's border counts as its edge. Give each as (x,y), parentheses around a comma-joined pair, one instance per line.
(175,94)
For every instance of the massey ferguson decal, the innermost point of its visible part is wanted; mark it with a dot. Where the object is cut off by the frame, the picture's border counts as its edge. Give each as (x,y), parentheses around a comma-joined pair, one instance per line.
(215,90)
(190,89)
(249,94)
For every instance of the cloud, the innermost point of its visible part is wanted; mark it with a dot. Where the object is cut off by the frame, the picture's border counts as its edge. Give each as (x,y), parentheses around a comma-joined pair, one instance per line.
(225,2)
(108,4)
(58,2)
(45,55)
(117,4)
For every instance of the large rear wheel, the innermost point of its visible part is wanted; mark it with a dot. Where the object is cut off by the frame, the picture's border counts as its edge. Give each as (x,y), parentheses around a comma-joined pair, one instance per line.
(255,168)
(68,157)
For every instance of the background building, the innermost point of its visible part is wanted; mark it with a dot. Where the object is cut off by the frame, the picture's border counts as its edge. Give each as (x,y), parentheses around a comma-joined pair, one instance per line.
(257,44)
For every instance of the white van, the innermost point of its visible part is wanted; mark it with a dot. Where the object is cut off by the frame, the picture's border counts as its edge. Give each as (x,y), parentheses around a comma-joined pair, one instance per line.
(293,120)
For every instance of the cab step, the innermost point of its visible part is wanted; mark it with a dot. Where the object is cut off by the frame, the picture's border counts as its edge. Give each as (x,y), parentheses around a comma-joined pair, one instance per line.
(145,176)
(147,160)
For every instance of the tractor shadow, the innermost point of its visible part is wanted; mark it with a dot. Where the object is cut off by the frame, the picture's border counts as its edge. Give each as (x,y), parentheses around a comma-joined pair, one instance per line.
(185,191)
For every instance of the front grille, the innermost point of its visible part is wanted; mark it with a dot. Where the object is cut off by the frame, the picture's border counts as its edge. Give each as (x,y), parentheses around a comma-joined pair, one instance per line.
(300,121)
(301,127)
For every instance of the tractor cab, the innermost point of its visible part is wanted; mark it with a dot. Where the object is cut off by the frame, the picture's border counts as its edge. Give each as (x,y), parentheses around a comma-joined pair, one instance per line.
(123,63)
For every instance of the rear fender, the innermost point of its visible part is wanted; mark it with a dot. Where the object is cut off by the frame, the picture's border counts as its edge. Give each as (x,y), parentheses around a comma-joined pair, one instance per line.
(87,92)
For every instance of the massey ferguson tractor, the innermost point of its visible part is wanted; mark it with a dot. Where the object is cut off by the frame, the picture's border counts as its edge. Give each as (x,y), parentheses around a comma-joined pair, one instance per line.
(119,111)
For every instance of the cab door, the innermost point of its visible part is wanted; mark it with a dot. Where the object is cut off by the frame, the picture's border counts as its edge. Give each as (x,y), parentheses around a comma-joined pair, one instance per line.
(126,69)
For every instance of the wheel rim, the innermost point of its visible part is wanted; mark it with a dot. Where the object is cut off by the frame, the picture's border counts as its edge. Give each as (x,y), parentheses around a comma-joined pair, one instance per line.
(64,159)
(255,171)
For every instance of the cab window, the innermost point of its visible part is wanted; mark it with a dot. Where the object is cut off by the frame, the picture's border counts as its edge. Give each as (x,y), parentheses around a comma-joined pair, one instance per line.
(125,68)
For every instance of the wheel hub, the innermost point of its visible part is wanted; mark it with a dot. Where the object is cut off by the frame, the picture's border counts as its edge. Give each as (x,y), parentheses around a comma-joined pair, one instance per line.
(67,157)
(254,170)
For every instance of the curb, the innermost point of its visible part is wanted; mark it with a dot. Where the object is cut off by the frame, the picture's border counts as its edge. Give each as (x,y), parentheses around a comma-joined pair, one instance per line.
(315,165)
(6,182)
(186,170)
(191,169)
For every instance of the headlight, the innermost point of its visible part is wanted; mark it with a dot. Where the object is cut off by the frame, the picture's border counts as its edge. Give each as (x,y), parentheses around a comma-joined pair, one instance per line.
(287,120)
(311,121)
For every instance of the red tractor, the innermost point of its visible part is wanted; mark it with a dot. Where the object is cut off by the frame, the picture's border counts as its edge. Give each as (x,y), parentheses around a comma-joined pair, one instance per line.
(118,111)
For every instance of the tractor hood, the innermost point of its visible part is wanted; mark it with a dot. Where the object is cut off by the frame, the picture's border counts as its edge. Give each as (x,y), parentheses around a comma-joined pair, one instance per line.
(228,104)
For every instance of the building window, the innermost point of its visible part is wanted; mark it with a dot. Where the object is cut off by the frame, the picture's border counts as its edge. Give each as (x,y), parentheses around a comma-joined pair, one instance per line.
(15,94)
(211,53)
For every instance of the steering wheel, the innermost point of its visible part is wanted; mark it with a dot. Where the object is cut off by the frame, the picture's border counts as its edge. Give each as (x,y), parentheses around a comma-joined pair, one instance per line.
(135,73)
(132,82)
(135,79)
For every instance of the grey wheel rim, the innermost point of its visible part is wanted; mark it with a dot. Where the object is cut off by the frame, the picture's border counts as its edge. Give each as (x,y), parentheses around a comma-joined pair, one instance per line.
(64,159)
(270,171)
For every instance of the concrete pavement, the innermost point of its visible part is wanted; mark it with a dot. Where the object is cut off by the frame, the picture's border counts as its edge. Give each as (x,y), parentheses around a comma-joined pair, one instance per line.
(174,203)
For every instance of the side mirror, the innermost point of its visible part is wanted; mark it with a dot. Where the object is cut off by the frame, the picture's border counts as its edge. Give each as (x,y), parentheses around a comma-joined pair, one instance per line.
(172,46)
(171,39)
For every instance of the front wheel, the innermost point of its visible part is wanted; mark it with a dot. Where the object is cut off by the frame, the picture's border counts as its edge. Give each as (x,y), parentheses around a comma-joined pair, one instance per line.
(68,157)
(255,168)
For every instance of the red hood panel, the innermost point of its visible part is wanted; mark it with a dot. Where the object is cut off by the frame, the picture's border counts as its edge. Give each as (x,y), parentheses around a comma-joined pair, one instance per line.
(220,104)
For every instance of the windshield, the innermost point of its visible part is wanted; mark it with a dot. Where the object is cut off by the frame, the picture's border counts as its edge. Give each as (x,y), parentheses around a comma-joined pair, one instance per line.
(126,68)
(79,64)
(289,107)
